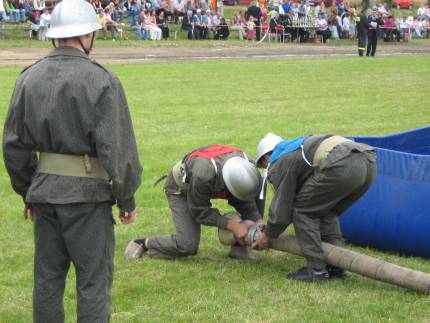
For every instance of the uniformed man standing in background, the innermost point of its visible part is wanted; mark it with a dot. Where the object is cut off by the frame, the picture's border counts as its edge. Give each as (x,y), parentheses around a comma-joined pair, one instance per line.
(212,172)
(372,35)
(316,179)
(362,26)
(77,119)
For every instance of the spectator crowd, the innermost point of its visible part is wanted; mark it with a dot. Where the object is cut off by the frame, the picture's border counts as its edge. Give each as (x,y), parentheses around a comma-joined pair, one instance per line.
(203,19)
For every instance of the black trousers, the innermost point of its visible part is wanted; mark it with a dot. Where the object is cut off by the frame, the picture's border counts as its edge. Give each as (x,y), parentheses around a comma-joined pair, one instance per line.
(372,40)
(257,31)
(82,234)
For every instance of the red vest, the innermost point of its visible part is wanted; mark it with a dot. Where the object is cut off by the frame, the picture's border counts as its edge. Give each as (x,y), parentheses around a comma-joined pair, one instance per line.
(211,152)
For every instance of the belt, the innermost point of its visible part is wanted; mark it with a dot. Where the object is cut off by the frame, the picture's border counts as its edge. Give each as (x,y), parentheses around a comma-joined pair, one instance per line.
(326,146)
(71,165)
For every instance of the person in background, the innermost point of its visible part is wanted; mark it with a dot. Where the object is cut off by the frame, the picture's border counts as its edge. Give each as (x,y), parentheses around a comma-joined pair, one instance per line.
(163,25)
(323,28)
(239,24)
(178,10)
(372,35)
(138,25)
(255,12)
(187,24)
(200,30)
(38,6)
(106,23)
(362,26)
(276,27)
(2,14)
(45,20)
(346,26)
(207,22)
(97,5)
(151,25)
(250,26)
(221,31)
(390,29)
(189,5)
(341,9)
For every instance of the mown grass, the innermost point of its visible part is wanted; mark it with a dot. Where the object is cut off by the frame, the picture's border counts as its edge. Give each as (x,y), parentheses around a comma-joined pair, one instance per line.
(179,106)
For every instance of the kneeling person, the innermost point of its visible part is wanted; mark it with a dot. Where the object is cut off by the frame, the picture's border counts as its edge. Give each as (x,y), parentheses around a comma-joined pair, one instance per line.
(316,179)
(213,172)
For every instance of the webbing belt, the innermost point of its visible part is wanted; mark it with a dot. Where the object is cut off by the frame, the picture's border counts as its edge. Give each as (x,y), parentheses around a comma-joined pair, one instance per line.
(326,146)
(71,165)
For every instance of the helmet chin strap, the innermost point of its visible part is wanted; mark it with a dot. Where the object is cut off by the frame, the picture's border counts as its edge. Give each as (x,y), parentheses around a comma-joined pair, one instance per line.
(87,50)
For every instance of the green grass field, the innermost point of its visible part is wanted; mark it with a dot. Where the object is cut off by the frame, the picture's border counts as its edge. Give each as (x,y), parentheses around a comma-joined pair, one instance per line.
(179,106)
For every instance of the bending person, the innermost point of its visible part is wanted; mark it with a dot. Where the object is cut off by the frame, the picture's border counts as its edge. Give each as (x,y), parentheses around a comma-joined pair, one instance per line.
(316,179)
(213,172)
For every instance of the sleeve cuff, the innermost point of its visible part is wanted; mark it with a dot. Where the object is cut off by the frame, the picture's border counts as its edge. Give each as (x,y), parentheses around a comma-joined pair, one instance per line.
(271,231)
(222,222)
(127,205)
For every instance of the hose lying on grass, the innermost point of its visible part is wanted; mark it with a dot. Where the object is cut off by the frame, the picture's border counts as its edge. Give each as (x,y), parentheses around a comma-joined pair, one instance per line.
(340,257)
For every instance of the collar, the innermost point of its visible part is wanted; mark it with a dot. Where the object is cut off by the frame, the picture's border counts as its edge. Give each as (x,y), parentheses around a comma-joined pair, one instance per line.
(67,51)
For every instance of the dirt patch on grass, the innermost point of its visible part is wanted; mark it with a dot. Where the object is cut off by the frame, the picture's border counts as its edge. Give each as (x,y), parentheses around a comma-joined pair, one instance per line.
(211,51)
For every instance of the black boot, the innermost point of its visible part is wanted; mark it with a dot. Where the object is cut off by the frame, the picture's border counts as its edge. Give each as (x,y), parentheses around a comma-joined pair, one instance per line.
(336,272)
(311,275)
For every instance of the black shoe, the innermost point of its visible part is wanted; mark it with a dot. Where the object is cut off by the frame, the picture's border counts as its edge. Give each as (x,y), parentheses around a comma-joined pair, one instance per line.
(311,275)
(142,242)
(336,272)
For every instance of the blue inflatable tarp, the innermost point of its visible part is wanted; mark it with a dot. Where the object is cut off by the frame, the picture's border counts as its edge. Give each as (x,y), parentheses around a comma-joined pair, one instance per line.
(395,213)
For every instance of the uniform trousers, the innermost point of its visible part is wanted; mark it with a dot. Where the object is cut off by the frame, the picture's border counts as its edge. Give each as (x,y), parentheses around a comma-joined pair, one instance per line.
(82,234)
(361,44)
(324,197)
(372,40)
(185,242)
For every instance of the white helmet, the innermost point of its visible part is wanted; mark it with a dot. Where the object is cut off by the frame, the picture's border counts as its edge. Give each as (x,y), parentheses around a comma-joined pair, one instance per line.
(241,178)
(266,145)
(72,18)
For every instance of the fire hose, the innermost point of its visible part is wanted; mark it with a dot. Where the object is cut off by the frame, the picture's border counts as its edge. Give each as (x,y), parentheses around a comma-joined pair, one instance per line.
(340,257)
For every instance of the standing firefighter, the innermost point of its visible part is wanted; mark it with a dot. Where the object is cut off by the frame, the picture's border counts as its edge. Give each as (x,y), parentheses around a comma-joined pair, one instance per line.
(362,26)
(213,172)
(372,35)
(316,179)
(78,121)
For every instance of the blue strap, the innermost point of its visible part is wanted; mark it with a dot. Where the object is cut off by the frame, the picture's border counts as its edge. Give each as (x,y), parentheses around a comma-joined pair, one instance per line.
(286,147)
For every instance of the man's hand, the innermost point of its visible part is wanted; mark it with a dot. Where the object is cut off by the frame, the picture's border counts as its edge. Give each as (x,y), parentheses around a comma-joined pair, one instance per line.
(128,217)
(239,230)
(28,212)
(262,242)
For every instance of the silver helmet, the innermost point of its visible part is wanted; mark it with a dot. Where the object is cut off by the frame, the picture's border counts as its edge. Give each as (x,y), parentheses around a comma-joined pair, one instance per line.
(266,145)
(241,178)
(72,18)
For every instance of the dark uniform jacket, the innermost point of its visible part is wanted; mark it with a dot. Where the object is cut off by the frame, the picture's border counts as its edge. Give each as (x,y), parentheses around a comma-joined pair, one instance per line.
(255,12)
(378,21)
(68,104)
(362,24)
(290,172)
(206,183)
